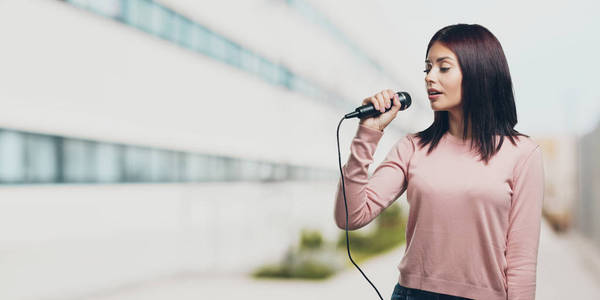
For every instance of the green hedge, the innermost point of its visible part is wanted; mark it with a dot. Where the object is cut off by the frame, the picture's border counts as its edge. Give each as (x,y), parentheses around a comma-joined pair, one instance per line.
(314,258)
(389,233)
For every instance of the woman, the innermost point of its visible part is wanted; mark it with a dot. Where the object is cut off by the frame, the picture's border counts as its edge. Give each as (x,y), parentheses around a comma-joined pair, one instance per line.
(475,199)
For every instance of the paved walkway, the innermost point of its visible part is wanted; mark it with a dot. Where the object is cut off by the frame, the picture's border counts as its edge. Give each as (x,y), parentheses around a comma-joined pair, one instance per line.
(567,269)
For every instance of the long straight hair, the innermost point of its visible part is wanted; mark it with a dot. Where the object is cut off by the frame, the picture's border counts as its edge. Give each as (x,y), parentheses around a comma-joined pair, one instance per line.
(488,103)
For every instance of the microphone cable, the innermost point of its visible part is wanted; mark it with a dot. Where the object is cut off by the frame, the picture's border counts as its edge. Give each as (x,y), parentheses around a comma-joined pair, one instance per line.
(346,206)
(365,111)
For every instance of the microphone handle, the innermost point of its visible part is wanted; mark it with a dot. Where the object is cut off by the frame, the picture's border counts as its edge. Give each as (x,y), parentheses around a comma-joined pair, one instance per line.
(368,110)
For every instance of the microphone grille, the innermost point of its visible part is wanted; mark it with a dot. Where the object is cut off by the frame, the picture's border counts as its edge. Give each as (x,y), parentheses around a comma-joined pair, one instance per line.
(405,100)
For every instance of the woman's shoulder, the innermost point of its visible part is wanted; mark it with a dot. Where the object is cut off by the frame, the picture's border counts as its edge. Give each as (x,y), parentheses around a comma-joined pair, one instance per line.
(523,147)
(522,141)
(411,138)
(406,143)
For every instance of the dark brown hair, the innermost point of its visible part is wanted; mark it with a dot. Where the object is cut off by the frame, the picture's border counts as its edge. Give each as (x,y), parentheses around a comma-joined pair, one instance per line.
(487,94)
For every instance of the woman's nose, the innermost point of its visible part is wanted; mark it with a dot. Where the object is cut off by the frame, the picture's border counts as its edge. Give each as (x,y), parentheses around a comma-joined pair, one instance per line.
(431,76)
(428,78)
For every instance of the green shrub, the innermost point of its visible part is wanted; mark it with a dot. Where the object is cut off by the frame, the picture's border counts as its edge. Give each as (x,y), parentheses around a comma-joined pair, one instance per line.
(306,270)
(310,239)
(388,233)
(310,261)
(312,270)
(307,261)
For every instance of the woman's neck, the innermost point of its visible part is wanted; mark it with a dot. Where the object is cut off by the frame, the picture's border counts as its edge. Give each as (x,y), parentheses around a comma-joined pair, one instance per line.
(456,124)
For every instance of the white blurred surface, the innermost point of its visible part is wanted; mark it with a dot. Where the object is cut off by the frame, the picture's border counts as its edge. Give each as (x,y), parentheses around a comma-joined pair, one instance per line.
(565,271)
(69,72)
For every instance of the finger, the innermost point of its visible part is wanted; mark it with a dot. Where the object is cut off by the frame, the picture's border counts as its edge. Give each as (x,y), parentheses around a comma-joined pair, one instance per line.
(375,102)
(384,97)
(366,101)
(388,98)
(392,97)
(379,98)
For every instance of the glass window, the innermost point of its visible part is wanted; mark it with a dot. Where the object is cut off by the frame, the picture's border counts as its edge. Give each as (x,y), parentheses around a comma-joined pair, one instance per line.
(233,53)
(200,37)
(163,165)
(249,62)
(108,8)
(12,158)
(298,173)
(279,172)
(228,169)
(162,21)
(41,159)
(182,30)
(265,171)
(139,14)
(80,3)
(284,76)
(196,167)
(268,71)
(236,165)
(248,170)
(37,158)
(79,160)
(217,168)
(108,162)
(217,47)
(303,86)
(137,168)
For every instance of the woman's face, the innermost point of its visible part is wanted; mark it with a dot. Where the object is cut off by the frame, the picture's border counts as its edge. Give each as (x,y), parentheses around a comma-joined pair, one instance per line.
(443,74)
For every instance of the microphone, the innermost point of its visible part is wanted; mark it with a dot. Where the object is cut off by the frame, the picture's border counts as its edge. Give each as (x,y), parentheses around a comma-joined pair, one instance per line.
(368,110)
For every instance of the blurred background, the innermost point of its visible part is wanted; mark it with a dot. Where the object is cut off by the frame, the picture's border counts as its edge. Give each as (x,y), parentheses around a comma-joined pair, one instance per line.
(182,149)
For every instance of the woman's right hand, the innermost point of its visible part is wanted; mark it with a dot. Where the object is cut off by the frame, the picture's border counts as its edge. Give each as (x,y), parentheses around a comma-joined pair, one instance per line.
(381,101)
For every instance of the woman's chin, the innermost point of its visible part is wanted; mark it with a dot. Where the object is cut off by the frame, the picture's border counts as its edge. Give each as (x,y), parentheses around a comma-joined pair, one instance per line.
(435,106)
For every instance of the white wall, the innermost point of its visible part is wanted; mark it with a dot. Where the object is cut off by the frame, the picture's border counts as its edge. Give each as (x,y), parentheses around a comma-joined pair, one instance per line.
(68,72)
(88,238)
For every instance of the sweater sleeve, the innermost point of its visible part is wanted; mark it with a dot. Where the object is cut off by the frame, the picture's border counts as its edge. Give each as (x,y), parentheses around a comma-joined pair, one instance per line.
(524,227)
(367,197)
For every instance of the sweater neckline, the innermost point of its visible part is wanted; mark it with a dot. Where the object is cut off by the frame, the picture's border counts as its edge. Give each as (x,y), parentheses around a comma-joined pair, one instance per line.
(450,138)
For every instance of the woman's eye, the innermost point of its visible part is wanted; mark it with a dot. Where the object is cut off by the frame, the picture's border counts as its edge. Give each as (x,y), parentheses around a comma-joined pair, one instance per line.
(442,69)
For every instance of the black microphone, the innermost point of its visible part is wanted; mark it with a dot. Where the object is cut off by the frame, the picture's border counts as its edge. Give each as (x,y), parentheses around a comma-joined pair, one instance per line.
(368,110)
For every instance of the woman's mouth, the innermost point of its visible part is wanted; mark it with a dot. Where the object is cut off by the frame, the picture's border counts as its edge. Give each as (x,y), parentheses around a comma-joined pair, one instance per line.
(434,96)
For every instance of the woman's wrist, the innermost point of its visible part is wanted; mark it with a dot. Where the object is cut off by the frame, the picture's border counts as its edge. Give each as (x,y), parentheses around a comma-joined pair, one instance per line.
(371,127)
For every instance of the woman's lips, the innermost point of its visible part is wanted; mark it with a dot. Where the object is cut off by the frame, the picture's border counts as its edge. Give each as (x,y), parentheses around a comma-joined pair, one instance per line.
(433,97)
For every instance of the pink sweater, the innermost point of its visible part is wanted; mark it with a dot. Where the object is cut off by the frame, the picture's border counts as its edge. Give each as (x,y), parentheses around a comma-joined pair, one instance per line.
(472,231)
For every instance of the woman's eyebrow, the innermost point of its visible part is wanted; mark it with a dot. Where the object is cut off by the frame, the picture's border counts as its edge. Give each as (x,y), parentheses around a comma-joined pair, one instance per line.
(439,59)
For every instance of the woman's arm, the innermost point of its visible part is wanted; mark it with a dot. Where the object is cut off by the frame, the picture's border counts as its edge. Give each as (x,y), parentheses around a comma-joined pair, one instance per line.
(524,227)
(367,197)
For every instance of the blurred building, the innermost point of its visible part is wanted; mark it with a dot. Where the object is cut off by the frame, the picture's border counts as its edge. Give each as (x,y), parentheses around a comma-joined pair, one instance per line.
(587,208)
(561,186)
(142,138)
